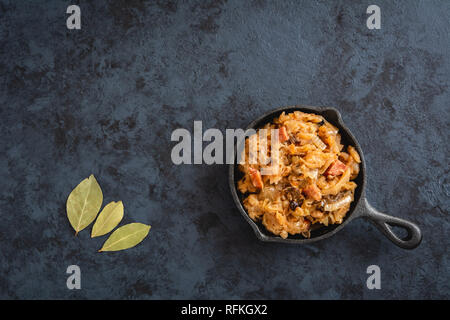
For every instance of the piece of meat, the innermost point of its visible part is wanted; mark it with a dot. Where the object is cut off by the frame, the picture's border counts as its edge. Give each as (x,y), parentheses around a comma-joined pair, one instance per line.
(312,192)
(282,134)
(335,169)
(255,175)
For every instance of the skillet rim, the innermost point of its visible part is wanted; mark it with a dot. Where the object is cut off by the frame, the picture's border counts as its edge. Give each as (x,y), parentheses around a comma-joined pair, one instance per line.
(354,211)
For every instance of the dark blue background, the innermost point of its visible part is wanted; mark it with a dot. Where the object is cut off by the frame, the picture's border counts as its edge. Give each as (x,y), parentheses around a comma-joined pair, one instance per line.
(105,99)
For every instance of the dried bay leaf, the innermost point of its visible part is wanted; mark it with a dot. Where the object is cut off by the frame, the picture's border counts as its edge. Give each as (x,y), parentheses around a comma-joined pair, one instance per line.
(84,203)
(126,237)
(108,219)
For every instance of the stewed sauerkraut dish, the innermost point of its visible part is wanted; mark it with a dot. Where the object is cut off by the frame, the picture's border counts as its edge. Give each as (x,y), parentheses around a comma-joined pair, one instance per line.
(309,181)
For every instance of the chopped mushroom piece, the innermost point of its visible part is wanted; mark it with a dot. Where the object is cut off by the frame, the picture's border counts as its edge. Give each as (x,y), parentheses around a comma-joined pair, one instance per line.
(283,135)
(342,202)
(255,175)
(293,205)
(335,169)
(313,192)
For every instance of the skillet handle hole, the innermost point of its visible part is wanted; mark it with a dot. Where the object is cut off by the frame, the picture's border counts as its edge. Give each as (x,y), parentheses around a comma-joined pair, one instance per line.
(399,231)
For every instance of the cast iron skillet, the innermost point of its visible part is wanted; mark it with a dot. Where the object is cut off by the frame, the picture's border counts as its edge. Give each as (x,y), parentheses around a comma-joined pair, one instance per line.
(360,207)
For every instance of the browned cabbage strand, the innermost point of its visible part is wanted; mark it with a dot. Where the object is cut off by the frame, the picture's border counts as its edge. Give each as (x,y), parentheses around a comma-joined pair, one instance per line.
(312,183)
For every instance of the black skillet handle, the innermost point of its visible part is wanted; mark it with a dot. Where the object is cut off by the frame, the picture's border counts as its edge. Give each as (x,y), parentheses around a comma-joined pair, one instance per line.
(384,223)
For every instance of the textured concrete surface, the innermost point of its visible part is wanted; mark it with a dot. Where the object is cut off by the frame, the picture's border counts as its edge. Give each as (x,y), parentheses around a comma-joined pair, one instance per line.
(105,99)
